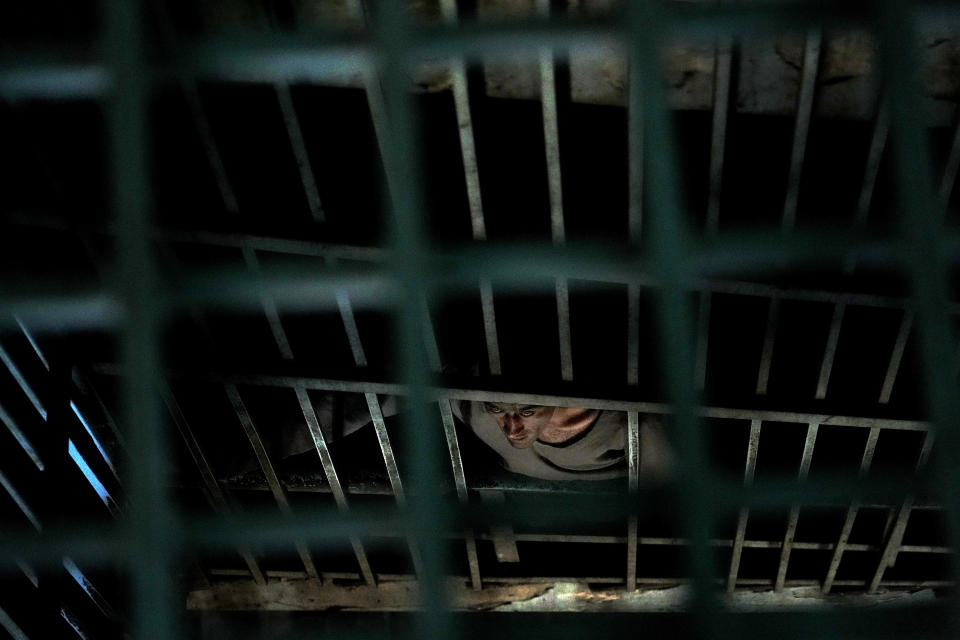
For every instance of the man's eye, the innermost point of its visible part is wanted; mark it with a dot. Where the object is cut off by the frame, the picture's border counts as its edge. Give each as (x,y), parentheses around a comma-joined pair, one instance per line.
(494,409)
(527,413)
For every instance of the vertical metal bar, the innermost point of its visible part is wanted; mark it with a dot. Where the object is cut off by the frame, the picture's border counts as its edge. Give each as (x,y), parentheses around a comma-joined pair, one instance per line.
(460,479)
(490,327)
(892,545)
(830,352)
(276,488)
(633,334)
(350,326)
(669,254)
(753,449)
(703,339)
(896,356)
(373,405)
(453,447)
(213,491)
(808,446)
(316,433)
(551,137)
(504,539)
(852,510)
(808,85)
(269,308)
(878,142)
(769,337)
(563,314)
(428,516)
(950,171)
(461,101)
(920,226)
(153,518)
(721,105)
(295,134)
(633,484)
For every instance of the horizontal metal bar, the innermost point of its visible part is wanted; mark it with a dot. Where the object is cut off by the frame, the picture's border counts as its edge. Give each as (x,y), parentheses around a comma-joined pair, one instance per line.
(644,581)
(481,395)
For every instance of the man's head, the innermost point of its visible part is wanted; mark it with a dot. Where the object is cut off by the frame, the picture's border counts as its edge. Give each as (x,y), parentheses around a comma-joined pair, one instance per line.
(522,424)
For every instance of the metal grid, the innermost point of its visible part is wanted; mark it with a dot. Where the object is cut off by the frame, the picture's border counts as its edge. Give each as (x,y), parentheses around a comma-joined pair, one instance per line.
(672,266)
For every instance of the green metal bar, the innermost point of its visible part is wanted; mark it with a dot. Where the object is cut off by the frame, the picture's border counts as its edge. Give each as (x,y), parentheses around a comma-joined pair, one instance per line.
(152,540)
(670,252)
(920,227)
(402,164)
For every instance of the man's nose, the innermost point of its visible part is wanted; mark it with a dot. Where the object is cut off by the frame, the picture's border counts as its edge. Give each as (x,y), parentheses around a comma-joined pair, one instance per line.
(513,424)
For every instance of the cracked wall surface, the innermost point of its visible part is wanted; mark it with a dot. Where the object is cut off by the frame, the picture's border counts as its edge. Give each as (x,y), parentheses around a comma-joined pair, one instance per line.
(767,69)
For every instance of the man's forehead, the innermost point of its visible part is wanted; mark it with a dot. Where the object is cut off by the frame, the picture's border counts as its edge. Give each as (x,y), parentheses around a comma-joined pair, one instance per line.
(510,406)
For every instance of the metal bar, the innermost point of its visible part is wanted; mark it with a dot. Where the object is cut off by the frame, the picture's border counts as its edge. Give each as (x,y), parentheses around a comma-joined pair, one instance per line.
(753,448)
(500,261)
(450,431)
(808,85)
(195,104)
(893,368)
(892,545)
(842,542)
(212,487)
(878,142)
(427,514)
(90,589)
(633,482)
(153,518)
(23,383)
(830,352)
(316,433)
(21,438)
(950,171)
(563,315)
(269,308)
(551,138)
(671,253)
(920,225)
(504,539)
(268,470)
(808,446)
(633,335)
(294,133)
(11,627)
(769,337)
(484,395)
(551,135)
(721,105)
(350,326)
(461,101)
(490,327)
(703,340)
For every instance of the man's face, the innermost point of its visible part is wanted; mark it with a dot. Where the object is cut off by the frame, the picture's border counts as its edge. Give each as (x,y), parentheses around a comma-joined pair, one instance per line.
(520,423)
